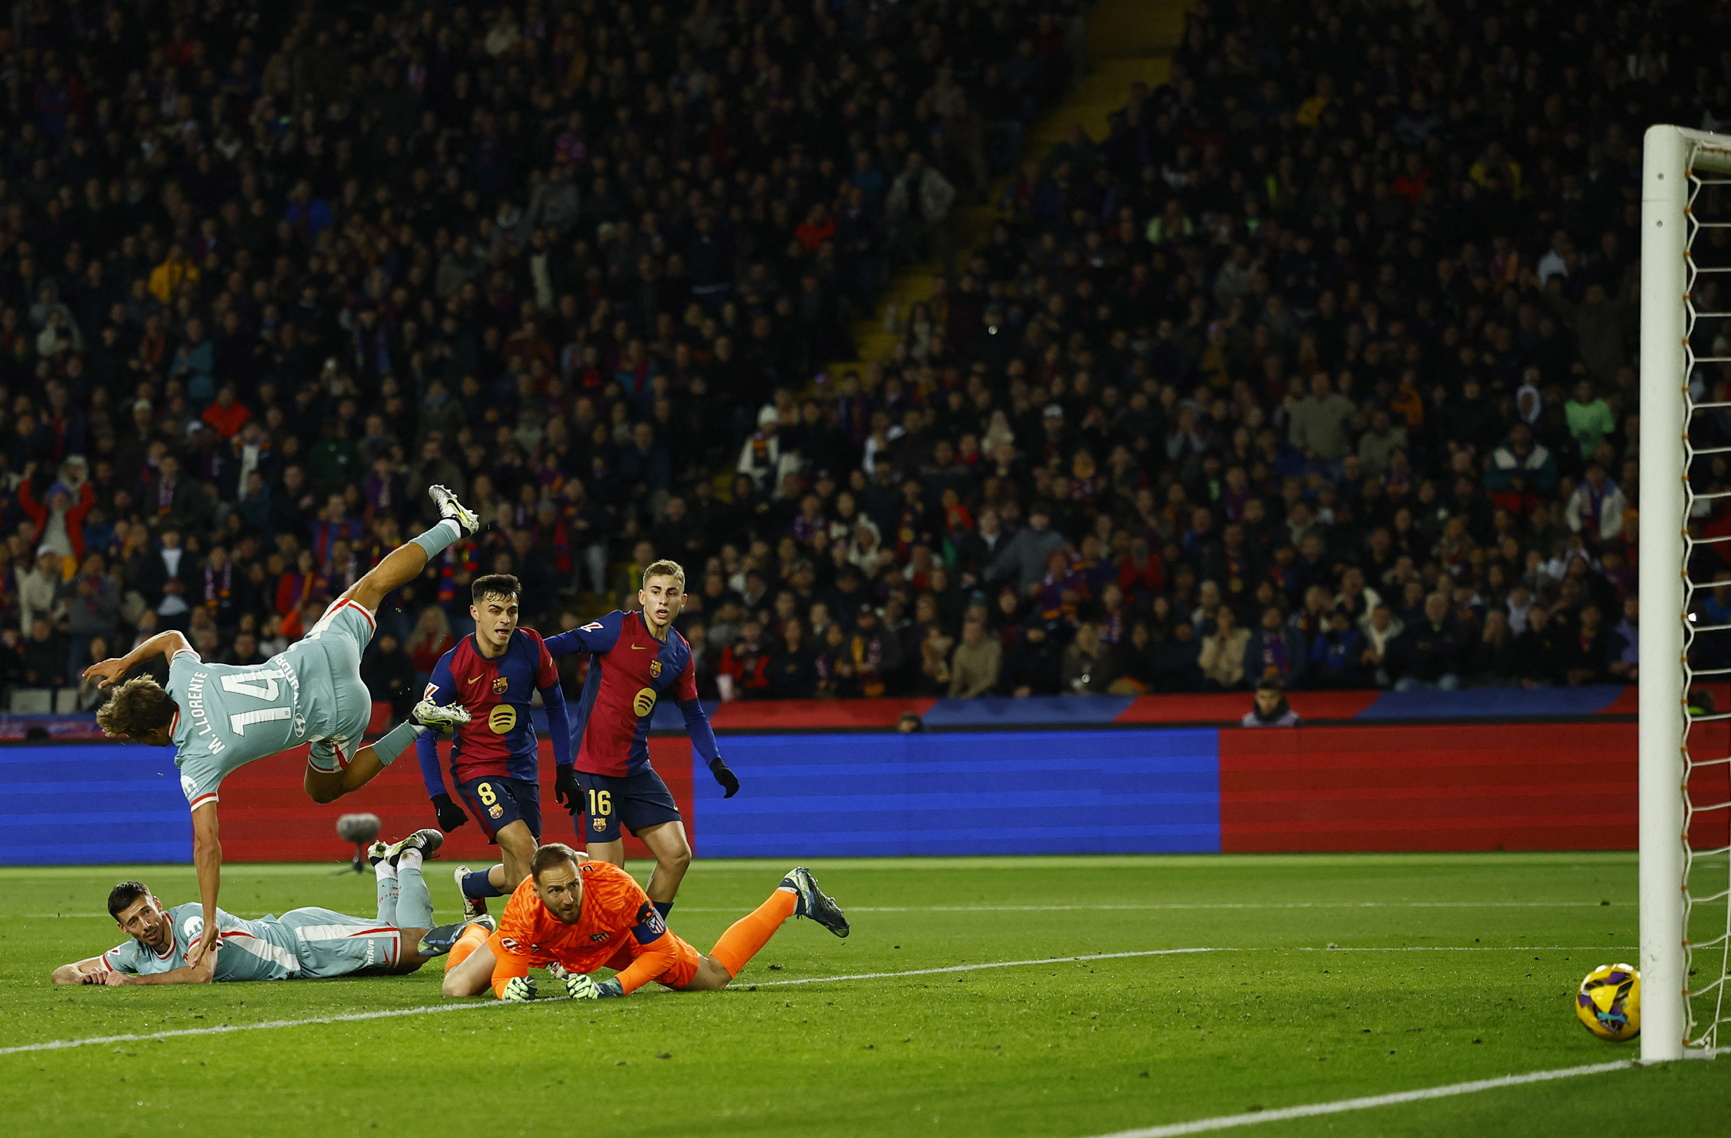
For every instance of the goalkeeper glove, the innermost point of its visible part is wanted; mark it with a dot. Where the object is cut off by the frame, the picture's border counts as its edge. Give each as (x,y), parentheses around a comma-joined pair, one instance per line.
(450,814)
(518,990)
(580,987)
(568,790)
(609,989)
(728,780)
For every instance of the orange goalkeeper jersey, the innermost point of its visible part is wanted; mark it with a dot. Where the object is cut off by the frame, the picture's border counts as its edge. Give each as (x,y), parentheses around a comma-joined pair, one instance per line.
(615,914)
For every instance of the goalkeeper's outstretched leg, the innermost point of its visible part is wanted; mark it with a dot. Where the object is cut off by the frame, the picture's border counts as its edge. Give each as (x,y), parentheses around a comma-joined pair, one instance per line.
(796,896)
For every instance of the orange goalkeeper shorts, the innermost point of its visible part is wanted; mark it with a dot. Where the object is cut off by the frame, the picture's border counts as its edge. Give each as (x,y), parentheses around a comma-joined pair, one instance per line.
(684,969)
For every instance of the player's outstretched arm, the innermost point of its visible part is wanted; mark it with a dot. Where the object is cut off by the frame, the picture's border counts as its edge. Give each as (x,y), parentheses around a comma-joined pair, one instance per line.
(207,861)
(164,644)
(80,972)
(201,973)
(596,636)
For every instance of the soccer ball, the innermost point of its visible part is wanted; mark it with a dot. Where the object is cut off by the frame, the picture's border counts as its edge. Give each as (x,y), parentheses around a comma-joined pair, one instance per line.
(1609,1002)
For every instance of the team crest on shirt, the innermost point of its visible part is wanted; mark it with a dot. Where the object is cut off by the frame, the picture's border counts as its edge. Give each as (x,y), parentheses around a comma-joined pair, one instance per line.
(600,823)
(655,669)
(500,683)
(496,811)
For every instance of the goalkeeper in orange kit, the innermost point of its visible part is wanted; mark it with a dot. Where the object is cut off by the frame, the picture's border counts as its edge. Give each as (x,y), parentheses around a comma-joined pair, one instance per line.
(580,915)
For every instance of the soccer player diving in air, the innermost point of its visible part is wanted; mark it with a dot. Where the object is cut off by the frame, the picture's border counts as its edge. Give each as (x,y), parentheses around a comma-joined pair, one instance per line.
(222,716)
(302,944)
(637,658)
(580,914)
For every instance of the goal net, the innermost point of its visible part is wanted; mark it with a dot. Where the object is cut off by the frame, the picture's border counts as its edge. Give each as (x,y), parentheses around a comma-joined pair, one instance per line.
(1685,623)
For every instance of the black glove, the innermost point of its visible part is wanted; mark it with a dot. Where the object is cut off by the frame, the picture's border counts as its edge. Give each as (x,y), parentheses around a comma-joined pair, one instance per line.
(568,790)
(450,814)
(728,780)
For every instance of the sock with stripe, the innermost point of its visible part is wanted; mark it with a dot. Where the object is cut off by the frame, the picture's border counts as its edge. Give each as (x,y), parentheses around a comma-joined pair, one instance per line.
(473,937)
(479,886)
(414,901)
(751,932)
(440,538)
(388,893)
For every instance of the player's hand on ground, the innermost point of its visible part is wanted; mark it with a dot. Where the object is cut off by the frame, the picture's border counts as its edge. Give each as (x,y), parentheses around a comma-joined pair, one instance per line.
(109,979)
(108,671)
(450,814)
(568,790)
(519,990)
(580,987)
(610,988)
(725,776)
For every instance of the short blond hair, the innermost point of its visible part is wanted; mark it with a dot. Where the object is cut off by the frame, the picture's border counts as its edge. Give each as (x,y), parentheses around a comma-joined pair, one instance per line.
(665,568)
(137,707)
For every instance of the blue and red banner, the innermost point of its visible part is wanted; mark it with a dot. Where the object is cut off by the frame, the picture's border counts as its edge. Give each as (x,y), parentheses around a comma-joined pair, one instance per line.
(1366,786)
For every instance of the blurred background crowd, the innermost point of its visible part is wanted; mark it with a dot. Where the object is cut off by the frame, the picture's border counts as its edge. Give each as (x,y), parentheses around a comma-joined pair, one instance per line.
(1318,366)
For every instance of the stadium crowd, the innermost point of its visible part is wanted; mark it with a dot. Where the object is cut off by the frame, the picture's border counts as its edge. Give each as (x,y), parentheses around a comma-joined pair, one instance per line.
(1318,367)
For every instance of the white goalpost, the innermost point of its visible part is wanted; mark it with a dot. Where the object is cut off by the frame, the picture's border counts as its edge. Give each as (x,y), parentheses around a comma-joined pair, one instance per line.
(1685,891)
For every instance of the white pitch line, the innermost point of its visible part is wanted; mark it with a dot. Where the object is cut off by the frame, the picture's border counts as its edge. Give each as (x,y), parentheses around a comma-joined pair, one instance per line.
(982,967)
(1173,906)
(435,1009)
(1285,1114)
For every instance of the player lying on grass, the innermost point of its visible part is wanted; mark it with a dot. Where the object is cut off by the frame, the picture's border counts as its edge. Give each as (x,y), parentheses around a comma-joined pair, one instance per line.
(581,914)
(302,944)
(220,716)
(637,658)
(492,675)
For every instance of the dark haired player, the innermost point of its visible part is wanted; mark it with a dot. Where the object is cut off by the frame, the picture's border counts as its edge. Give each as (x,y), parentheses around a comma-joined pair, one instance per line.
(222,716)
(495,756)
(638,657)
(302,944)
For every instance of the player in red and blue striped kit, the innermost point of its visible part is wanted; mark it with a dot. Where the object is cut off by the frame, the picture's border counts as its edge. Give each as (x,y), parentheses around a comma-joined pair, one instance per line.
(495,757)
(638,657)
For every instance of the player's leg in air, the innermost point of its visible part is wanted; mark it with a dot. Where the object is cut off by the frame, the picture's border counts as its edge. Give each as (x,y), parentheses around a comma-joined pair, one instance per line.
(333,770)
(406,903)
(642,804)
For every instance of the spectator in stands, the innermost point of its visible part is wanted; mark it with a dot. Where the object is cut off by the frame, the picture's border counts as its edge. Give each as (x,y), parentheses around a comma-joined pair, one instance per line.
(1086,666)
(42,656)
(387,670)
(792,667)
(1338,656)
(1223,653)
(1024,559)
(39,593)
(92,603)
(1430,652)
(977,663)
(1585,651)
(1535,651)
(430,639)
(1271,708)
(1492,660)
(1275,651)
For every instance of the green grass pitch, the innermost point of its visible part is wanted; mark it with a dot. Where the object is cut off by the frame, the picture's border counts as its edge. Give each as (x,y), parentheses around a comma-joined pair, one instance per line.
(1328,978)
